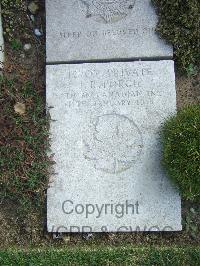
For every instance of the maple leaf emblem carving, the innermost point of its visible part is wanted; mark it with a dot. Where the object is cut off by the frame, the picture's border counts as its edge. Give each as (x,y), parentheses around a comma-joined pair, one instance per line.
(114,145)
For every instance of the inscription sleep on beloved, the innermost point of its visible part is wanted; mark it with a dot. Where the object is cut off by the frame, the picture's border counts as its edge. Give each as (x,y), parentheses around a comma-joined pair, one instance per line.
(118,32)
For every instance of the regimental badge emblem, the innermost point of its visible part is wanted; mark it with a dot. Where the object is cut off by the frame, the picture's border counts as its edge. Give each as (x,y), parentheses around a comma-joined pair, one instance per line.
(114,145)
(107,11)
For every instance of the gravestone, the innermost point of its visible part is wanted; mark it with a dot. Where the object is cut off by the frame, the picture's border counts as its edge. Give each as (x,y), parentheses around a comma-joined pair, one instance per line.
(105,139)
(92,30)
(1,42)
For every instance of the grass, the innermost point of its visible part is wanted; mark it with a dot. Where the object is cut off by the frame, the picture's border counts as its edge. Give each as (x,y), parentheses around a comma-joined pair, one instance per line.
(24,141)
(162,256)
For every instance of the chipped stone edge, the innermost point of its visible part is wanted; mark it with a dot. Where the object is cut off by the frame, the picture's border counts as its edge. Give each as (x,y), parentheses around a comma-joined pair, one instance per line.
(1,42)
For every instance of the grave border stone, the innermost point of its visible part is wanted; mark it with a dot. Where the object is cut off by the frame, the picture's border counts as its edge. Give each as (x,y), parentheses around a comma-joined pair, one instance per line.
(1,41)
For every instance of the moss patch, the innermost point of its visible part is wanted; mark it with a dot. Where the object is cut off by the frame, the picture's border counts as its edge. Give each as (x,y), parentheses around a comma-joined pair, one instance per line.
(181,141)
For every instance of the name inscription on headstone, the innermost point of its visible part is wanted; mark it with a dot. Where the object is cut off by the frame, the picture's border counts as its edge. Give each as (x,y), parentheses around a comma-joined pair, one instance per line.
(120,87)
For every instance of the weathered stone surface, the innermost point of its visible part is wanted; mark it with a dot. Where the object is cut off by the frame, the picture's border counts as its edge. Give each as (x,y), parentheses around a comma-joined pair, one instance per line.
(1,42)
(86,30)
(105,137)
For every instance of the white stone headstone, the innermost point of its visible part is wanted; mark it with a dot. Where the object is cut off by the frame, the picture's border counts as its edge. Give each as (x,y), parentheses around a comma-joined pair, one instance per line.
(91,30)
(1,42)
(105,128)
